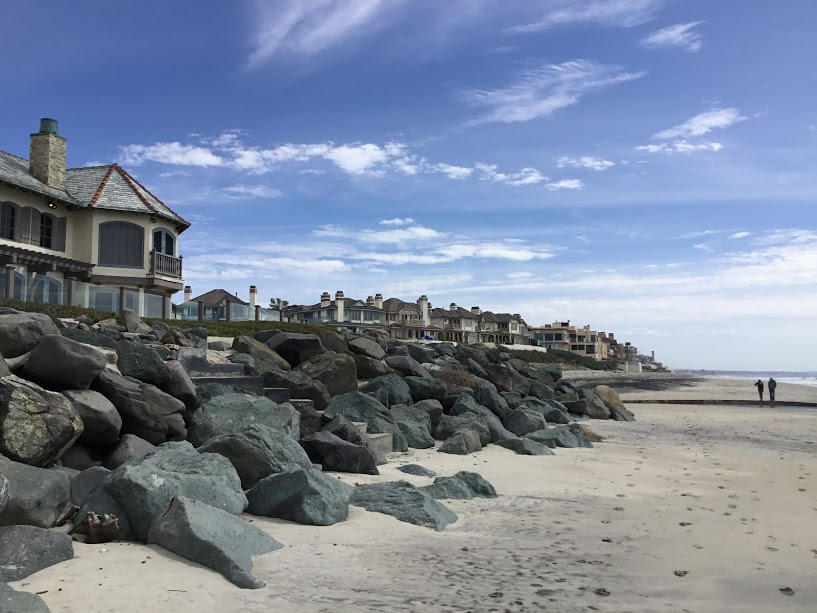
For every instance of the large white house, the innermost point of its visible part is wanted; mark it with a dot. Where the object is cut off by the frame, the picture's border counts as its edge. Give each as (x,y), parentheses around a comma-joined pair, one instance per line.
(91,236)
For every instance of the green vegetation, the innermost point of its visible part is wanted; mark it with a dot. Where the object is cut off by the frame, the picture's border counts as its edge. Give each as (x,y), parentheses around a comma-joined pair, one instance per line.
(242,328)
(555,356)
(56,310)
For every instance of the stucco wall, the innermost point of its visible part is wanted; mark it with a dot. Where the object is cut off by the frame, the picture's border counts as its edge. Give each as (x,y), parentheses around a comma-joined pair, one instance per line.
(23,199)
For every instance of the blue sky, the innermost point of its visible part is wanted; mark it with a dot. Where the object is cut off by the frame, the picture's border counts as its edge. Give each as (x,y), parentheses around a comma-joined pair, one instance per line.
(642,166)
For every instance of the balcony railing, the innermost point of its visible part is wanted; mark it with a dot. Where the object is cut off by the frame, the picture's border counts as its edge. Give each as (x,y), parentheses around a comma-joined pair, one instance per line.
(165,265)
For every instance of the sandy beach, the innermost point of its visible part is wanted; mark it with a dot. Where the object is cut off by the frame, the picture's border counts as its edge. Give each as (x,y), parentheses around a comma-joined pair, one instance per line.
(693,508)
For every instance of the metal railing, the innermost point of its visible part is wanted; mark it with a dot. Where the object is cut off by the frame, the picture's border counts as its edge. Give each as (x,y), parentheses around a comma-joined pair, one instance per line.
(165,265)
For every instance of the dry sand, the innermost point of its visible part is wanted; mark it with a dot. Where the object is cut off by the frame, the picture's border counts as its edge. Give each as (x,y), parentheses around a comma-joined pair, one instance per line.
(725,496)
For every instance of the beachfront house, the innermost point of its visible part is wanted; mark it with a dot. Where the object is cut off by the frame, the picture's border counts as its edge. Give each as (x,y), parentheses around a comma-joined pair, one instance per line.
(457,324)
(352,314)
(505,328)
(91,236)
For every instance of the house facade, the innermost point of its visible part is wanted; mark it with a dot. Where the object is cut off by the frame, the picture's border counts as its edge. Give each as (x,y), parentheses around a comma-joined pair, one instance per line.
(92,236)
(342,312)
(457,324)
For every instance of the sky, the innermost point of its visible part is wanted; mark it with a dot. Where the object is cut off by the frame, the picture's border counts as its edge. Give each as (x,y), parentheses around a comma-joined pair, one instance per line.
(646,167)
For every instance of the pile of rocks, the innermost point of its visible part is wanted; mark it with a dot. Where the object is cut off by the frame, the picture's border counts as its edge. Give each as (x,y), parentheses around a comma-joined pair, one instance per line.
(101,419)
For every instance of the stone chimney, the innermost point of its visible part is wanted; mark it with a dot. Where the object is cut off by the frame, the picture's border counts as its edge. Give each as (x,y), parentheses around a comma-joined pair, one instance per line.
(188,293)
(452,306)
(46,158)
(326,300)
(378,301)
(517,316)
(370,301)
(253,296)
(422,301)
(476,310)
(341,306)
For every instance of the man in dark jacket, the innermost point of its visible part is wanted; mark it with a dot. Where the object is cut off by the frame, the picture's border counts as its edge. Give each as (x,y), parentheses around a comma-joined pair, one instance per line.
(759,386)
(772,387)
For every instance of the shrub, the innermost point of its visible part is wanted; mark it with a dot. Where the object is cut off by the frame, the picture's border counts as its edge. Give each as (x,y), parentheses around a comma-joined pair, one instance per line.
(56,310)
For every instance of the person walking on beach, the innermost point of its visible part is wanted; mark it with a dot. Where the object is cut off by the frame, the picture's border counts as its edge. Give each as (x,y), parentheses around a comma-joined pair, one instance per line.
(759,386)
(772,387)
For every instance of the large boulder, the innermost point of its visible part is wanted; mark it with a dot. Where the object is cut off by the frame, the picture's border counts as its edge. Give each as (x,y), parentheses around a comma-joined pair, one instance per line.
(258,451)
(462,442)
(300,386)
(12,601)
(507,379)
(358,407)
(265,358)
(425,388)
(405,502)
(134,324)
(303,495)
(136,492)
(296,348)
(35,496)
(488,396)
(366,347)
(333,342)
(4,493)
(100,419)
(422,354)
(540,390)
(58,363)
(462,486)
(36,426)
(345,429)
(407,366)
(179,385)
(146,411)
(211,537)
(590,407)
(612,401)
(130,447)
(369,368)
(523,421)
(434,409)
(24,550)
(80,457)
(449,424)
(560,436)
(337,371)
(553,411)
(415,424)
(335,454)
(89,337)
(397,390)
(83,483)
(467,404)
(141,362)
(525,446)
(232,413)
(454,378)
(416,470)
(20,332)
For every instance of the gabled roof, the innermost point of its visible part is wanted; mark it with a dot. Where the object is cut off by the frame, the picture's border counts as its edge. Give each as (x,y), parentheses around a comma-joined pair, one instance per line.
(14,172)
(111,187)
(394,305)
(216,296)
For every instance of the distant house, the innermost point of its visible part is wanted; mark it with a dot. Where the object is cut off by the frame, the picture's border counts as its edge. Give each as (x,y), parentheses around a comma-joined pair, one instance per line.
(342,312)
(92,236)
(503,328)
(457,324)
(214,306)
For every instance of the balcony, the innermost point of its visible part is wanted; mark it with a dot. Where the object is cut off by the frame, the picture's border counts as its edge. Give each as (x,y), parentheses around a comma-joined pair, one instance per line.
(165,265)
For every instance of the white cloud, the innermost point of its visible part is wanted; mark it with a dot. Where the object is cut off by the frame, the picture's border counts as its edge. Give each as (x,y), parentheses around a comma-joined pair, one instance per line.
(396,236)
(688,235)
(738,235)
(249,192)
(572,184)
(681,35)
(525,176)
(396,221)
(541,91)
(615,13)
(701,124)
(588,162)
(454,172)
(680,146)
(357,159)
(309,27)
(169,153)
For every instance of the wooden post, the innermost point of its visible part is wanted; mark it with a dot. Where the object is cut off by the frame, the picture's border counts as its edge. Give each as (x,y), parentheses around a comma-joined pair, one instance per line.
(229,309)
(10,281)
(201,310)
(257,312)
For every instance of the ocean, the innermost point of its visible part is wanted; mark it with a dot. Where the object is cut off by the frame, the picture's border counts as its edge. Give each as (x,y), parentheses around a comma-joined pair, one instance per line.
(798,378)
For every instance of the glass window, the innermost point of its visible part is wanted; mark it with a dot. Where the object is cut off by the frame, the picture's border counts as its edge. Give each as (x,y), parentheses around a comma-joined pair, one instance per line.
(46,230)
(164,242)
(121,245)
(8,217)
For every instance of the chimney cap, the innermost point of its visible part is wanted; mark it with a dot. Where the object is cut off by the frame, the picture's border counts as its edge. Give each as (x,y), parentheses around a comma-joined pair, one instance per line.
(187,288)
(339,293)
(423,297)
(378,295)
(253,289)
(49,126)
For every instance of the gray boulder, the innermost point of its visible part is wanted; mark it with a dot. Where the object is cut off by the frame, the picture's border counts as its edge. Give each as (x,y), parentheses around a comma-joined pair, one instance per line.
(258,451)
(422,354)
(146,411)
(303,495)
(466,404)
(333,342)
(243,358)
(265,358)
(100,419)
(540,390)
(560,436)
(612,401)
(523,421)
(343,428)
(462,442)
(232,413)
(335,454)
(369,368)
(488,396)
(621,414)
(594,407)
(337,371)
(416,470)
(141,362)
(366,347)
(576,430)
(358,407)
(136,492)
(130,447)
(24,550)
(434,409)
(403,501)
(211,537)
(507,379)
(80,457)
(34,496)
(12,601)
(462,486)
(4,493)
(407,366)
(58,363)
(36,426)
(300,386)
(449,424)
(133,323)
(398,390)
(553,411)
(425,388)
(296,348)
(89,337)
(20,332)
(84,482)
(219,345)
(179,385)
(310,418)
(525,446)
(415,424)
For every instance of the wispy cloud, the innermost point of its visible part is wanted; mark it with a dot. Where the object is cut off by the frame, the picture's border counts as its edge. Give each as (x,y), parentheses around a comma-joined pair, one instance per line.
(396,235)
(540,91)
(681,35)
(170,153)
(526,176)
(680,146)
(396,221)
(588,162)
(738,235)
(699,233)
(569,184)
(701,124)
(615,13)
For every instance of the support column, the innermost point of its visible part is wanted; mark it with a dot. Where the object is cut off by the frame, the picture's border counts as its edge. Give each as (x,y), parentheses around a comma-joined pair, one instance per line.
(228,307)
(69,294)
(10,281)
(257,312)
(140,308)
(121,300)
(165,307)
(201,310)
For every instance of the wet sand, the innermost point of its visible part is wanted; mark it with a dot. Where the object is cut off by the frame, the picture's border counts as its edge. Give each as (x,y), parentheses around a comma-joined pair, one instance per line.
(692,508)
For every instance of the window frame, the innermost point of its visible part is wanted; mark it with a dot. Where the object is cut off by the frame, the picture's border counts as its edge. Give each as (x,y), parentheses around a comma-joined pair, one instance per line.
(165,235)
(8,210)
(47,227)
(107,224)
